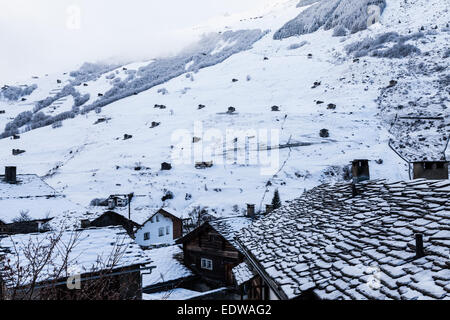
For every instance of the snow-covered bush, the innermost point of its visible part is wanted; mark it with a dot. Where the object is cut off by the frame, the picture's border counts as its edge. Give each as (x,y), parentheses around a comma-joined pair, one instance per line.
(13,93)
(79,100)
(349,14)
(297,45)
(163,91)
(339,31)
(91,71)
(377,47)
(22,119)
(399,50)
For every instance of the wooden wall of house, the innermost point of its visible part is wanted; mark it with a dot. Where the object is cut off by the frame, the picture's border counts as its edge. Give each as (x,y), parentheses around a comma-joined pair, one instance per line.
(211,245)
(22,227)
(177,228)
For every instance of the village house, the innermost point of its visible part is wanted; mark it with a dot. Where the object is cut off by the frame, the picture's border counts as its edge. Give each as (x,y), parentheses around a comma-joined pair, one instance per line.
(163,227)
(388,240)
(120,201)
(211,250)
(105,262)
(28,204)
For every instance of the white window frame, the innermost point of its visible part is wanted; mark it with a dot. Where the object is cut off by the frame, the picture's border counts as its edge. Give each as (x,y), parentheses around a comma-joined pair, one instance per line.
(157,218)
(161,234)
(206,264)
(167,230)
(145,236)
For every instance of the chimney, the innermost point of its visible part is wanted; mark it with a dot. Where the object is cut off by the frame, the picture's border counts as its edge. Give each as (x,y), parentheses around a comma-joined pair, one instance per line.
(269,208)
(10,174)
(250,210)
(360,170)
(419,246)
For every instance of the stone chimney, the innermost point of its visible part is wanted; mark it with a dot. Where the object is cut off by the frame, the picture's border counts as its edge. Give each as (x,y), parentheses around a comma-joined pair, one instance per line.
(360,170)
(419,246)
(11,174)
(269,208)
(250,210)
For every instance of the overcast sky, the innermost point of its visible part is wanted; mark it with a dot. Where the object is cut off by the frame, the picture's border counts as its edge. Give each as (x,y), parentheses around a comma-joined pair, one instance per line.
(46,36)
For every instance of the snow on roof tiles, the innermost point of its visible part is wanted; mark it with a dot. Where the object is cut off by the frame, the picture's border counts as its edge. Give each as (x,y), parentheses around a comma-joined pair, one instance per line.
(169,266)
(243,273)
(315,240)
(228,227)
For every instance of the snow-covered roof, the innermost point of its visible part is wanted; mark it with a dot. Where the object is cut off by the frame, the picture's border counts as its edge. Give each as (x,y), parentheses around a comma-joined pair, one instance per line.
(31,195)
(174,212)
(169,266)
(228,227)
(91,246)
(361,247)
(38,208)
(243,273)
(28,185)
(141,210)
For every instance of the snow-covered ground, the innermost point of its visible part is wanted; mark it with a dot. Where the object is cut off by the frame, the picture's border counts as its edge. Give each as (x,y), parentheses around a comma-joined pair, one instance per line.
(84,160)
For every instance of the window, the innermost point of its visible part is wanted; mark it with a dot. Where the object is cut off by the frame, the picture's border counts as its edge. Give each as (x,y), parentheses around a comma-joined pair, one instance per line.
(152,220)
(206,264)
(167,230)
(161,232)
(146,236)
(157,218)
(440,165)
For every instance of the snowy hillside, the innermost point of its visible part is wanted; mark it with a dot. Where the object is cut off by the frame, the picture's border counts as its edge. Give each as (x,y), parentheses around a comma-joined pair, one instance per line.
(358,87)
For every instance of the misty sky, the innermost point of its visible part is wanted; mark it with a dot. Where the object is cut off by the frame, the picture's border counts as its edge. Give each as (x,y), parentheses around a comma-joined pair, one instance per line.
(46,36)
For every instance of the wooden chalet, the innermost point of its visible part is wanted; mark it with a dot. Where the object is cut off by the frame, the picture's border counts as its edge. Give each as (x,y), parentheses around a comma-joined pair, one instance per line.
(211,251)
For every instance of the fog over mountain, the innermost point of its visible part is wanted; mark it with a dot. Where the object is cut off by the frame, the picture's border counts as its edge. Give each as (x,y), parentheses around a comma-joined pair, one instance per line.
(45,36)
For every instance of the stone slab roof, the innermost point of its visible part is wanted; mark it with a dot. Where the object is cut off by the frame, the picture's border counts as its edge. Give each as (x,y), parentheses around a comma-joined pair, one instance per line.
(243,273)
(362,247)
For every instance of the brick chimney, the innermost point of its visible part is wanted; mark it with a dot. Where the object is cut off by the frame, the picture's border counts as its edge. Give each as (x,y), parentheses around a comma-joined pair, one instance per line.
(250,210)
(11,174)
(419,246)
(360,170)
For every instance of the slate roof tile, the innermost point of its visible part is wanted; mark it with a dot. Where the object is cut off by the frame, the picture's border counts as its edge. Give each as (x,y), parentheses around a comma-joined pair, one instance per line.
(338,240)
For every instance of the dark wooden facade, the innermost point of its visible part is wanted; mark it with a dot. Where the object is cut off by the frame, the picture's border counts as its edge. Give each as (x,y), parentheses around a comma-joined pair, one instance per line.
(206,243)
(2,227)
(24,227)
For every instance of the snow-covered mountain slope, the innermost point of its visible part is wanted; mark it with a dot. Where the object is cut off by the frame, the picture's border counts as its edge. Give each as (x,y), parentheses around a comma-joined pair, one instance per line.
(87,159)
